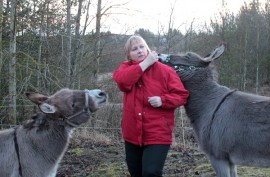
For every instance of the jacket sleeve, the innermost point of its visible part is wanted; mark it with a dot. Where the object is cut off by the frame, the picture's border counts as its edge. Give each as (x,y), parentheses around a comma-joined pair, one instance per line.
(177,95)
(127,75)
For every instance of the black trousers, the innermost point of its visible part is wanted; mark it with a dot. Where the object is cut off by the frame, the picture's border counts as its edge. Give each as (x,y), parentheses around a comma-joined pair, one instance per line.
(146,161)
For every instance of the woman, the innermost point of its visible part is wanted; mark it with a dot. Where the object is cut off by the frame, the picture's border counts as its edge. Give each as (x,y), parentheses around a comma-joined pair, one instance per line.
(152,91)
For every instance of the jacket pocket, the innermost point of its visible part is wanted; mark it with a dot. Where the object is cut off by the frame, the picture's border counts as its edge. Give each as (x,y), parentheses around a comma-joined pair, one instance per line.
(167,124)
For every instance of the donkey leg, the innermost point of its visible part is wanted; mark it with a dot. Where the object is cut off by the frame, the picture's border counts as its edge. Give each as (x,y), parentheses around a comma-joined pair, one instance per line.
(221,167)
(233,170)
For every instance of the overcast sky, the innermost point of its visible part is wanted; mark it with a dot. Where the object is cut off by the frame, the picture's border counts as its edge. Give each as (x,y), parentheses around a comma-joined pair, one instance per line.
(153,14)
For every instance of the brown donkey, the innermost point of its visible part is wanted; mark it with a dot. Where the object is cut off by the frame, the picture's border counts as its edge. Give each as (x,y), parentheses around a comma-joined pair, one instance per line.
(35,148)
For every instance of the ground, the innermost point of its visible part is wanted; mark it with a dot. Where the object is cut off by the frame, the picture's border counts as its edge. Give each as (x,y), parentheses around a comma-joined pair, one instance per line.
(86,158)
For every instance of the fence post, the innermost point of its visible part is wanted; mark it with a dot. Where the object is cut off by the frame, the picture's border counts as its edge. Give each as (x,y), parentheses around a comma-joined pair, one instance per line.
(182,125)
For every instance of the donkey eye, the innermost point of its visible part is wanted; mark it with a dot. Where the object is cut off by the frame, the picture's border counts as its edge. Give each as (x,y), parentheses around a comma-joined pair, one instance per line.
(73,105)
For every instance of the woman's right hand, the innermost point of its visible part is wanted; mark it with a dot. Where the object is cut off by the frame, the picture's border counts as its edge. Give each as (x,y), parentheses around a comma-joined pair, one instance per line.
(149,60)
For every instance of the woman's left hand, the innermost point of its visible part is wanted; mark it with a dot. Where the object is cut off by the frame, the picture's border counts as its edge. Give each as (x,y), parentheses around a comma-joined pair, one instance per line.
(155,101)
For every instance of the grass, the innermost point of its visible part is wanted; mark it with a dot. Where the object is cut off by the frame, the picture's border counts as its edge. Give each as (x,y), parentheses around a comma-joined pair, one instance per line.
(207,170)
(111,169)
(253,172)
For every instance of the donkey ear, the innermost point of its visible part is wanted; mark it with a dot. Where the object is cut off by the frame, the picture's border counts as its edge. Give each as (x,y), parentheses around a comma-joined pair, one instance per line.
(46,108)
(36,98)
(215,53)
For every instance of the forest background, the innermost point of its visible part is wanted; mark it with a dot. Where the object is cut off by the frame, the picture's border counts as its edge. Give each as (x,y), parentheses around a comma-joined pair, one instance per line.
(44,46)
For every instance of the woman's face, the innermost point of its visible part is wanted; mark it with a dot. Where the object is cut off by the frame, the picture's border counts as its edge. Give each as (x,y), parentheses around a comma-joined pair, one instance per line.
(138,51)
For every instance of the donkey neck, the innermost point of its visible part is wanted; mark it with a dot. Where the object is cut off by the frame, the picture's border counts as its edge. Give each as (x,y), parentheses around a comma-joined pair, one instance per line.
(203,99)
(47,145)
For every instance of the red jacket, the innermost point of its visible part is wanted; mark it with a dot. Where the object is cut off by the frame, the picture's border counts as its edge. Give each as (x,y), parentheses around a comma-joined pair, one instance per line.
(143,124)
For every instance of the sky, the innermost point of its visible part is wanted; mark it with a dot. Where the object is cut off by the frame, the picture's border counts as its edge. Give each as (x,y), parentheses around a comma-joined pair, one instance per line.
(155,14)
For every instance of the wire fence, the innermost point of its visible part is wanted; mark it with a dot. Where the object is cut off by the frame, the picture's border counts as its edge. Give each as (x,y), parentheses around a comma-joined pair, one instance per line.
(106,125)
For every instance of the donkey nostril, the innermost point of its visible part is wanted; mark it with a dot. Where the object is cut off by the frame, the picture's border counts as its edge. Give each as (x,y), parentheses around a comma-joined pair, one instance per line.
(102,94)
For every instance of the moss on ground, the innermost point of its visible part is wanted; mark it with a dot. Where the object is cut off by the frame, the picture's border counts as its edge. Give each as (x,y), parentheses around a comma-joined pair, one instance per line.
(110,169)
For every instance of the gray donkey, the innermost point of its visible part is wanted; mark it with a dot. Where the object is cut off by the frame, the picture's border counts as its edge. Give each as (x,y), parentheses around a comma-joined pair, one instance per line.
(35,148)
(231,127)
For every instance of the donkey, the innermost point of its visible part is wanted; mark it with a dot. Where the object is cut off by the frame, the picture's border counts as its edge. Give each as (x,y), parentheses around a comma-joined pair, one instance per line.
(231,127)
(35,148)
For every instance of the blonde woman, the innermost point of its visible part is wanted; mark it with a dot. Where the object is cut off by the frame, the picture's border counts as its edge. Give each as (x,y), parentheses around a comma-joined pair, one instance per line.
(152,91)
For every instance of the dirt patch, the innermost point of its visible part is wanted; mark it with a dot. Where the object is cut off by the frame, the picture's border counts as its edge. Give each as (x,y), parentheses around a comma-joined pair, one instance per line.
(85,158)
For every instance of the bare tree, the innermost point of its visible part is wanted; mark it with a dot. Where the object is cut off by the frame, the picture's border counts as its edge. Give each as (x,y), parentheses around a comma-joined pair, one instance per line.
(101,12)
(1,29)
(70,69)
(39,63)
(76,49)
(257,61)
(245,62)
(1,39)
(169,32)
(86,17)
(97,39)
(12,64)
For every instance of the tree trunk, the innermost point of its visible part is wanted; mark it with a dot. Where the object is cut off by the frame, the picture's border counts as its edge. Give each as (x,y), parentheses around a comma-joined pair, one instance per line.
(39,63)
(169,33)
(39,60)
(97,38)
(75,58)
(86,17)
(245,63)
(97,51)
(257,61)
(45,59)
(12,65)
(70,71)
(1,30)
(1,43)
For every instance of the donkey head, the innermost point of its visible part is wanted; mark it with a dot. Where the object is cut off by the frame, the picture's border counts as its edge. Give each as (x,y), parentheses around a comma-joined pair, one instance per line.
(70,105)
(192,59)
(187,64)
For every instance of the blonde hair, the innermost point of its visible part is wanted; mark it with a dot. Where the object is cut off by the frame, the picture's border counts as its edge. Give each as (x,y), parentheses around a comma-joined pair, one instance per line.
(129,43)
